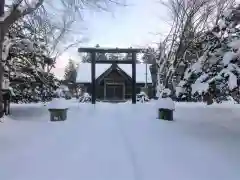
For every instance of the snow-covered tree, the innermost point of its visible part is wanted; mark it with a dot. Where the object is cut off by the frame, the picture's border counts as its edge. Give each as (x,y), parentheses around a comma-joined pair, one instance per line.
(189,19)
(28,64)
(162,68)
(215,75)
(149,55)
(13,10)
(70,72)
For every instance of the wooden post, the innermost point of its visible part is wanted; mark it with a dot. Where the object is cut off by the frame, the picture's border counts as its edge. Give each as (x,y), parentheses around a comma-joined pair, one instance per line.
(134,78)
(2,34)
(2,4)
(93,68)
(93,52)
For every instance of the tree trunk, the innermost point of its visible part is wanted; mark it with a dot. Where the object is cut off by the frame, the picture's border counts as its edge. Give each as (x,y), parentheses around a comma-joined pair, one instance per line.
(1,69)
(2,3)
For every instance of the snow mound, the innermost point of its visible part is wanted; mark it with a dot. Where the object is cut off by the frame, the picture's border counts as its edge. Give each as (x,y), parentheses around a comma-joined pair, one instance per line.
(58,103)
(166,103)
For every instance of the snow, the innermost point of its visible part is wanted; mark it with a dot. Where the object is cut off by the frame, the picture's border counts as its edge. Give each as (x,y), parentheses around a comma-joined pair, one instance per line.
(232,81)
(233,67)
(167,91)
(202,59)
(227,12)
(218,35)
(113,142)
(187,73)
(5,83)
(197,67)
(165,103)
(202,78)
(235,44)
(86,95)
(140,72)
(84,72)
(222,24)
(181,83)
(142,97)
(179,90)
(58,103)
(228,56)
(200,87)
(8,43)
(142,93)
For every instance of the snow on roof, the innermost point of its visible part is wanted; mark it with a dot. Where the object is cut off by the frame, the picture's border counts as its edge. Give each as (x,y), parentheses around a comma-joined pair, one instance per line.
(84,72)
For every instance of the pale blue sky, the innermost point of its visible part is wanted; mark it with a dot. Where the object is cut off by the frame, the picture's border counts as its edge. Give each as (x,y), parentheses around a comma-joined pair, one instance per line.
(135,25)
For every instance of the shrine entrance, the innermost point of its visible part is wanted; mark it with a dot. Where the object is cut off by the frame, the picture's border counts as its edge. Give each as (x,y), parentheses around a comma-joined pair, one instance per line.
(112,90)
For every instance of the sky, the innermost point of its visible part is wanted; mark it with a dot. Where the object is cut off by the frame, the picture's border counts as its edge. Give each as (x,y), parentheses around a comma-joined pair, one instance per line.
(141,23)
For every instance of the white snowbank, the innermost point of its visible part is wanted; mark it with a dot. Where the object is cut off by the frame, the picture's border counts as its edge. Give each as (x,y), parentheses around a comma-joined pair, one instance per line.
(126,143)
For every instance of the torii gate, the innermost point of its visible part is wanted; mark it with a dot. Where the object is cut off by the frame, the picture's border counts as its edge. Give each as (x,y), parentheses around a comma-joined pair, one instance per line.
(93,52)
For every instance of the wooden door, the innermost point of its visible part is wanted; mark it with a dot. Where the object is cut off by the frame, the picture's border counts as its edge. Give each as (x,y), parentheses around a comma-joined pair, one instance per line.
(114,91)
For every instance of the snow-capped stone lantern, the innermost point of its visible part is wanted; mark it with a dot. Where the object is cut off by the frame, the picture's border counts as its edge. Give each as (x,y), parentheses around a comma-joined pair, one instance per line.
(58,109)
(165,106)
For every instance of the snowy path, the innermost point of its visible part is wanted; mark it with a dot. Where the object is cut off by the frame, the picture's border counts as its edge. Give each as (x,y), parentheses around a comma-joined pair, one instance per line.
(117,142)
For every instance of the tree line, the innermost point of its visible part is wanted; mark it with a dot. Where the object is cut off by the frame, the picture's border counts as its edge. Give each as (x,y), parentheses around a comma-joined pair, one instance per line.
(198,60)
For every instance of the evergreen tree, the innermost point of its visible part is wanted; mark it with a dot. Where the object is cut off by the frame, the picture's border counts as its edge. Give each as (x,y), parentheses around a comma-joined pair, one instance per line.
(215,75)
(28,64)
(71,72)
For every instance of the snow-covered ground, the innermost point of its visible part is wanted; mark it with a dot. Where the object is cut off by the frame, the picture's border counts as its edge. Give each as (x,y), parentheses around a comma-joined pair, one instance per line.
(121,142)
